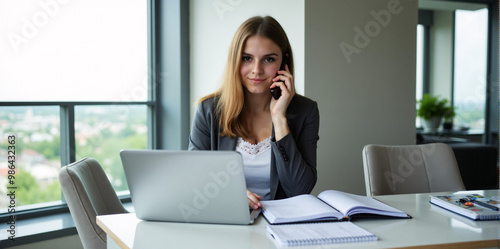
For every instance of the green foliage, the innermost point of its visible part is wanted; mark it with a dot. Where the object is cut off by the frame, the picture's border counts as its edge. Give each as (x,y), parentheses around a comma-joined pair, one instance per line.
(117,129)
(449,113)
(431,106)
(49,149)
(29,190)
(105,148)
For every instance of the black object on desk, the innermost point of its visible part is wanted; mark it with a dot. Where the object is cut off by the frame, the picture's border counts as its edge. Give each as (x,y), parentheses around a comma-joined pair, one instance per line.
(486,205)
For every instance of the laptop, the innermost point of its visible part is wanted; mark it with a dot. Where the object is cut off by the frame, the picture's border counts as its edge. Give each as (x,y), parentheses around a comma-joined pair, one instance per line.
(188,186)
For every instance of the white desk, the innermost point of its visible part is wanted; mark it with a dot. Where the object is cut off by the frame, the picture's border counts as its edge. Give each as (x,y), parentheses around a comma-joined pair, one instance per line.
(429,226)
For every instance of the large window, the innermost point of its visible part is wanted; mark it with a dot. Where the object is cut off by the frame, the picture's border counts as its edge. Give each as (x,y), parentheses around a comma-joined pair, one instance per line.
(469,91)
(73,83)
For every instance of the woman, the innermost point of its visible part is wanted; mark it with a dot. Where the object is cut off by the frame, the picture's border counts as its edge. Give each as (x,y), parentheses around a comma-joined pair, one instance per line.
(276,137)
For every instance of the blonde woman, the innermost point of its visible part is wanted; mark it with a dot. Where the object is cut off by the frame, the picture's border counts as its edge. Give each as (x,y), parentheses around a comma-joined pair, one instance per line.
(277,138)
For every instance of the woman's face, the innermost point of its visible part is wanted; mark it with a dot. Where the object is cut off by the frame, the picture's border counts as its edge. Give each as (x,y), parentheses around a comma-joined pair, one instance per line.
(261,59)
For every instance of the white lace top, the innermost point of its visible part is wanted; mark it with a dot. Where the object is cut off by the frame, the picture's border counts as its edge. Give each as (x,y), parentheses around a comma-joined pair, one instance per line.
(257,166)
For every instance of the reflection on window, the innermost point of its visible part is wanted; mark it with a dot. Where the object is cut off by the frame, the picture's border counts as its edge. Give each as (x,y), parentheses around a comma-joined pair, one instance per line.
(470,67)
(102,131)
(37,160)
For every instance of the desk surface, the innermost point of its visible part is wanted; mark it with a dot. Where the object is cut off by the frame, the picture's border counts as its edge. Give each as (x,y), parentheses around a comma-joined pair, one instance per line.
(430,225)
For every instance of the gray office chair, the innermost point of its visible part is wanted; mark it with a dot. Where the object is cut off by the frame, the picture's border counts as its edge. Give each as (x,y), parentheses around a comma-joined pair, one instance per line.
(410,169)
(89,193)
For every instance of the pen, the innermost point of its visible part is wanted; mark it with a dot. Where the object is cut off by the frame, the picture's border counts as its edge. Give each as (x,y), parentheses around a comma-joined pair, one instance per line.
(484,204)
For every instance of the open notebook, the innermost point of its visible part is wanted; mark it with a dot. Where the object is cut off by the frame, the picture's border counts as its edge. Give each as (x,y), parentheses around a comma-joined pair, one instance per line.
(329,205)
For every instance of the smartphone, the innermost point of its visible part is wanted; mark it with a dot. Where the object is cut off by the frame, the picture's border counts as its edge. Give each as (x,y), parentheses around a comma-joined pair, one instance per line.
(276,92)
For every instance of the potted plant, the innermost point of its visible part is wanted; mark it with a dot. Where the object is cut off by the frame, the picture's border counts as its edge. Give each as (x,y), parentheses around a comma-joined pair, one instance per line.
(432,109)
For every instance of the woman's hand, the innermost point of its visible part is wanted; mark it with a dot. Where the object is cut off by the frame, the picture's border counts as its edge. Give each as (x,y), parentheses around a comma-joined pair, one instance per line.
(285,82)
(254,200)
(278,107)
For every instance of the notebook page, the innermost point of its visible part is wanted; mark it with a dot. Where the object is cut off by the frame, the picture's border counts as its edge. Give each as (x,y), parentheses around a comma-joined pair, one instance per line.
(319,233)
(351,204)
(298,208)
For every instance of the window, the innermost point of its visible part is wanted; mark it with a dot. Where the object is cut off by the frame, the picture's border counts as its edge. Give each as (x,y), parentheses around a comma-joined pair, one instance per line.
(76,51)
(420,61)
(101,131)
(34,142)
(420,66)
(470,66)
(74,83)
(452,60)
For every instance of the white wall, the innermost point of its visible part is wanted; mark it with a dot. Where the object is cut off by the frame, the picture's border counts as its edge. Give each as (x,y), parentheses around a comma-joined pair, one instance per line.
(213,24)
(367,97)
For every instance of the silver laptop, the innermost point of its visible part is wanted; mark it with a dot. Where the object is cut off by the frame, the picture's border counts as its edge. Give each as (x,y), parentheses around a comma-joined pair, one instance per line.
(188,186)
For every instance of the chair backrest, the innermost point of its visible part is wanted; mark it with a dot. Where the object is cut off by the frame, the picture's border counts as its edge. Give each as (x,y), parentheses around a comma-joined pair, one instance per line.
(410,169)
(89,193)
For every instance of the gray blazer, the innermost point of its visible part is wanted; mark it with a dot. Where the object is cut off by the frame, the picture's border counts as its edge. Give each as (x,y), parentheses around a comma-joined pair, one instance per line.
(293,160)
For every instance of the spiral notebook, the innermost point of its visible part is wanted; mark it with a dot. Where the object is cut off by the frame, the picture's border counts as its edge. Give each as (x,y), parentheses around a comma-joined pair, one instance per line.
(301,234)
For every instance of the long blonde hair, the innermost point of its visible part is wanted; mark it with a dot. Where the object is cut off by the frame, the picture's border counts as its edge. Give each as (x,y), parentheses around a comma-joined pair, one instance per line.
(230,95)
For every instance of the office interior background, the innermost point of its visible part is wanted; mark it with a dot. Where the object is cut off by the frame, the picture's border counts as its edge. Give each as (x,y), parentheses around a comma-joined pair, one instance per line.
(89,78)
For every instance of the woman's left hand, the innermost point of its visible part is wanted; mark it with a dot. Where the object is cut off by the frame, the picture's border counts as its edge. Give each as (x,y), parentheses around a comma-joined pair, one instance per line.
(278,107)
(285,82)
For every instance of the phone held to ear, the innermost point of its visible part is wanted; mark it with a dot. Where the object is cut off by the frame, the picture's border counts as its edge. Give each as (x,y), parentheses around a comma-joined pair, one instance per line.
(276,91)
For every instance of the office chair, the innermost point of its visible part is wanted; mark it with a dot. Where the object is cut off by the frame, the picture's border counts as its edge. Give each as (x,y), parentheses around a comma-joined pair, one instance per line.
(89,193)
(410,169)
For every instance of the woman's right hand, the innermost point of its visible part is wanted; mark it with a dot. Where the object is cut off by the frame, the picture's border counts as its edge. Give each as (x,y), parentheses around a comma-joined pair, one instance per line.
(254,200)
